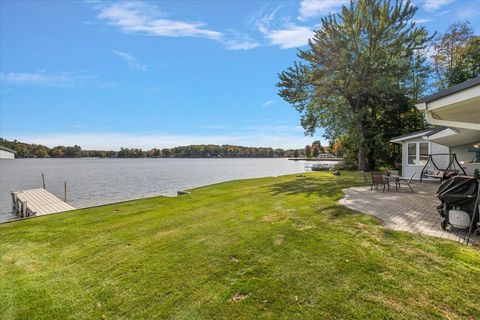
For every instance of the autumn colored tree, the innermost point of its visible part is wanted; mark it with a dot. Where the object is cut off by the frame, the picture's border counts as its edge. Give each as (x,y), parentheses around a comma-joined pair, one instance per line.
(336,147)
(308,151)
(315,150)
(57,152)
(154,153)
(40,152)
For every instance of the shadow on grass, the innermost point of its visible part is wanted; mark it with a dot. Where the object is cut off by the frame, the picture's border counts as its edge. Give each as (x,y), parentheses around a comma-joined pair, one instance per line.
(321,186)
(337,210)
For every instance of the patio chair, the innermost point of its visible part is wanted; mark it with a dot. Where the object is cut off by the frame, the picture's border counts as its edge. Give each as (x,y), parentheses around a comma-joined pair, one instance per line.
(377,180)
(407,181)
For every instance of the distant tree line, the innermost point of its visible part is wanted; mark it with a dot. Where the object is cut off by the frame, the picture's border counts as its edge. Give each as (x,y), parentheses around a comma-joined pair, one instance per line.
(26,150)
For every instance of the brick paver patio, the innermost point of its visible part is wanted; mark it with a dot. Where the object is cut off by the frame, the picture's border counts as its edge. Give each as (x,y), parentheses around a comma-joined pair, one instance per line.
(401,209)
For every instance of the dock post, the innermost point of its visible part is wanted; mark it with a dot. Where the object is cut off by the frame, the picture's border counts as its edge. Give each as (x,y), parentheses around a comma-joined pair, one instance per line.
(14,203)
(43,180)
(65,185)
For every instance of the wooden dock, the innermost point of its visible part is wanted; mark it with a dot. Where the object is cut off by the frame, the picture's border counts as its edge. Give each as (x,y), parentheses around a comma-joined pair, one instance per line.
(37,202)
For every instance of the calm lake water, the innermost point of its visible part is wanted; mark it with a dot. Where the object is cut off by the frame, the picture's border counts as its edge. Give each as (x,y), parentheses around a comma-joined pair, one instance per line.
(100,181)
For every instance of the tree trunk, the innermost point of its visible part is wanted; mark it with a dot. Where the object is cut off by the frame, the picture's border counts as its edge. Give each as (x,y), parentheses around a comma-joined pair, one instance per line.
(356,105)
(362,163)
(362,160)
(371,165)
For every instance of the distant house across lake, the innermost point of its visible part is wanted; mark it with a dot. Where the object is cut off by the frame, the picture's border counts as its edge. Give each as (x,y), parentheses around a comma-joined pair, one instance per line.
(6,153)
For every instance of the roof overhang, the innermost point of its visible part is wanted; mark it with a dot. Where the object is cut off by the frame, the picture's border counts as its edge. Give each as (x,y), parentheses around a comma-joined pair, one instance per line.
(7,149)
(451,137)
(457,107)
(420,134)
(412,136)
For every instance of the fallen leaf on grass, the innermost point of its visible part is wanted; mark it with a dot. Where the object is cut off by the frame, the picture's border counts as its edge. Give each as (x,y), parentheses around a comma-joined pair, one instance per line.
(239,297)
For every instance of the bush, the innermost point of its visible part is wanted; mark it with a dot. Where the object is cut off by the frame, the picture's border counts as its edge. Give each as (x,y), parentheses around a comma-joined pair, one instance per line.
(385,168)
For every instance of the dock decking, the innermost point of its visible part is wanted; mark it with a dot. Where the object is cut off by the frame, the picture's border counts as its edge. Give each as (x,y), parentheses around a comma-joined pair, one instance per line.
(36,202)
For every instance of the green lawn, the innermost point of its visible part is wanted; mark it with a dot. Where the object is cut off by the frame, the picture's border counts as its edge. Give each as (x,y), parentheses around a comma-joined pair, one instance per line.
(273,248)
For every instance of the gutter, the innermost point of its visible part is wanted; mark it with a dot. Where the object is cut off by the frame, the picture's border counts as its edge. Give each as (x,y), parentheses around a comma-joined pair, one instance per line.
(430,116)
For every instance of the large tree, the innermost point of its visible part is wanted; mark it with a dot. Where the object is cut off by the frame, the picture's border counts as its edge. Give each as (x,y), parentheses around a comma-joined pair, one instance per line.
(468,63)
(447,50)
(359,62)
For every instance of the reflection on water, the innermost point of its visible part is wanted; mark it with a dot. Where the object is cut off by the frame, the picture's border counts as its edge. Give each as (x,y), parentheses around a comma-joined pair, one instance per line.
(100,181)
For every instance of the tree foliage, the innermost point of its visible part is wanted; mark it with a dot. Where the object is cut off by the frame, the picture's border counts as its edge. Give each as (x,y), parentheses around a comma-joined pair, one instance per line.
(359,76)
(315,150)
(455,57)
(40,151)
(468,63)
(308,151)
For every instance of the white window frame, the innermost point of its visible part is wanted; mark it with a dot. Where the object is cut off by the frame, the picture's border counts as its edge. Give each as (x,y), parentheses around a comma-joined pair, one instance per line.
(408,155)
(417,153)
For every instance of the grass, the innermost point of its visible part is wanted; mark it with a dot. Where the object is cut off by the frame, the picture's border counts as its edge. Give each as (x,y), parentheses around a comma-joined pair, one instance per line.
(271,248)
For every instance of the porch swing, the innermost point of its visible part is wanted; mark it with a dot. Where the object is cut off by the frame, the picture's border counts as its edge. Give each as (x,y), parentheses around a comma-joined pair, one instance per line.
(454,167)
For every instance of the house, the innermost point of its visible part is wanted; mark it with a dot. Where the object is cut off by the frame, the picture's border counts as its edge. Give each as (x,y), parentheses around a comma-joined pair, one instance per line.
(456,114)
(6,153)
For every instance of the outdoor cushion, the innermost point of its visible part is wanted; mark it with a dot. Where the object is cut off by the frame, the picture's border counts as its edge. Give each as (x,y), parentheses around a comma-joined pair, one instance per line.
(436,173)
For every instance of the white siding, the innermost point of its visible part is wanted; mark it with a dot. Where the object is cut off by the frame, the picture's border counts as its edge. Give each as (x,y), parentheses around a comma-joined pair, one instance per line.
(465,158)
(6,154)
(462,153)
(440,161)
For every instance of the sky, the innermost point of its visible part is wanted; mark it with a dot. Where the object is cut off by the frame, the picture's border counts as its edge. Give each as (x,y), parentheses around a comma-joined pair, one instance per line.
(111,74)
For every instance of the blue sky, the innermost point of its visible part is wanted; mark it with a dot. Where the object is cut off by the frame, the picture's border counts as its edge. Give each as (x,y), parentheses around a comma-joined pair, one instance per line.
(106,74)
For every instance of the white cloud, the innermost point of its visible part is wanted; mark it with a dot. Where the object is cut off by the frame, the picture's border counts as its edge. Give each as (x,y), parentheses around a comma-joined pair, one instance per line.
(292,36)
(239,41)
(442,13)
(41,78)
(130,60)
(279,138)
(263,21)
(431,5)
(429,53)
(286,36)
(268,103)
(239,44)
(422,21)
(139,17)
(314,8)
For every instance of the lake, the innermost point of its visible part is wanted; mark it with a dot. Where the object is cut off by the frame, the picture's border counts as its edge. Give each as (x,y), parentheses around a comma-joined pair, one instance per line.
(93,181)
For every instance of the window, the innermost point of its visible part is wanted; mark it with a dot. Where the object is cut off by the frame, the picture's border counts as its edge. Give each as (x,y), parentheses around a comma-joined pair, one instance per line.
(412,153)
(423,153)
(417,153)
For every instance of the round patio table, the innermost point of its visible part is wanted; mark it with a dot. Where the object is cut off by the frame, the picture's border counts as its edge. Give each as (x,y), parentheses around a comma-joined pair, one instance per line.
(387,179)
